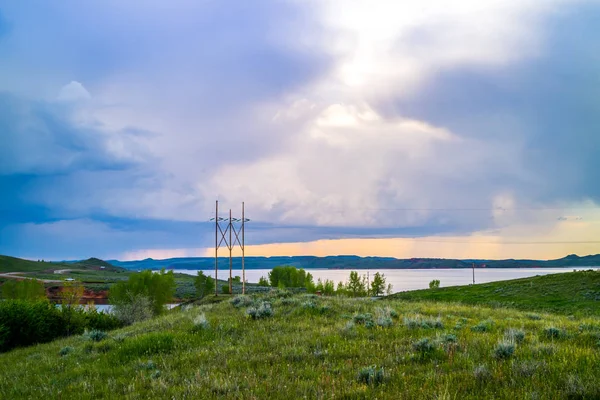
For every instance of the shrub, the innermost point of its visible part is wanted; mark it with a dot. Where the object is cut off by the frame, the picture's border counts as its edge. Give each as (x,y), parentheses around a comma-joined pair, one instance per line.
(101,320)
(95,335)
(553,333)
(148,365)
(371,375)
(434,284)
(482,373)
(65,350)
(288,301)
(424,347)
(241,301)
(200,323)
(514,335)
(311,305)
(504,350)
(225,289)
(25,323)
(449,338)
(137,308)
(483,326)
(384,322)
(384,316)
(422,322)
(120,338)
(262,311)
(363,319)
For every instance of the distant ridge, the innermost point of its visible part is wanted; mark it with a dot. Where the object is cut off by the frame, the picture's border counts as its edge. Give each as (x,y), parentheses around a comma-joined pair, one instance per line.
(354,262)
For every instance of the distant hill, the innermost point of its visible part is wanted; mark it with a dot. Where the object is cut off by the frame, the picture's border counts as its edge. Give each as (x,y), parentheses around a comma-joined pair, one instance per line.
(95,263)
(354,262)
(14,264)
(568,293)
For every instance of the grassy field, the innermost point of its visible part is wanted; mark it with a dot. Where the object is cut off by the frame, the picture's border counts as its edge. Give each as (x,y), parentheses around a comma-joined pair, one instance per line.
(576,293)
(13,264)
(316,347)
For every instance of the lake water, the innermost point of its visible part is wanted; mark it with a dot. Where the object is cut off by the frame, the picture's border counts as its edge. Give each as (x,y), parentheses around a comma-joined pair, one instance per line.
(409,279)
(108,307)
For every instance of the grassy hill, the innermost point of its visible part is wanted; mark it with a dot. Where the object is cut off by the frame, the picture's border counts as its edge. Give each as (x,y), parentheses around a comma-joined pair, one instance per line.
(317,347)
(565,293)
(13,264)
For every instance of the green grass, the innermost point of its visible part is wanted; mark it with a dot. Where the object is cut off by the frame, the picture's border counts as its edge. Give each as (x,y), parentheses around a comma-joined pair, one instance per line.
(576,293)
(319,352)
(13,264)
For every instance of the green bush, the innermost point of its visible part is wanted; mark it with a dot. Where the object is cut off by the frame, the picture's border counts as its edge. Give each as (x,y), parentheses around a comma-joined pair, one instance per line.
(483,326)
(434,284)
(241,301)
(424,347)
(515,335)
(65,350)
(25,323)
(264,310)
(200,323)
(482,373)
(504,350)
(135,309)
(553,333)
(95,335)
(423,322)
(371,375)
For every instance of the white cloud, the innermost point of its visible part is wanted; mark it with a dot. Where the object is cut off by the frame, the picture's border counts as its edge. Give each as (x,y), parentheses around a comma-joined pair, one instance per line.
(72,92)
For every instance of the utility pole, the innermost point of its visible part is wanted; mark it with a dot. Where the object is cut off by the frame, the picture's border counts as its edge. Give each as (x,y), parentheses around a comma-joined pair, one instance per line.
(243,253)
(230,249)
(216,247)
(230,243)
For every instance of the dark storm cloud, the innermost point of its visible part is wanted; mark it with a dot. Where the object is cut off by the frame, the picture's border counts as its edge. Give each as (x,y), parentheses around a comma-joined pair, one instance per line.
(546,111)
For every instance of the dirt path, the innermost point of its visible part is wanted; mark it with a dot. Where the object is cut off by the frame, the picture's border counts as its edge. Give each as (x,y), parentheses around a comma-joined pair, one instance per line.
(18,275)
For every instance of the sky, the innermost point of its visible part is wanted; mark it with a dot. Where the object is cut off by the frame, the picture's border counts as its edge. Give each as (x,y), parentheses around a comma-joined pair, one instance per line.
(403,129)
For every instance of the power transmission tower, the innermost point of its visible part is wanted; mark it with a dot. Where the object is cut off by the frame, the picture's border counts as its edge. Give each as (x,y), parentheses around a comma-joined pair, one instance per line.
(230,243)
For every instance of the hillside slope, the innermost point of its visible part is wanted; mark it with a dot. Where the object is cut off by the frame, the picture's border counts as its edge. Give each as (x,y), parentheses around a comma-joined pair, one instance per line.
(566,293)
(13,264)
(317,347)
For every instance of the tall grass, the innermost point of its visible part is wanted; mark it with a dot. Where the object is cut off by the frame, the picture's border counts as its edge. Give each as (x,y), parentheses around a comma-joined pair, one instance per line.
(299,352)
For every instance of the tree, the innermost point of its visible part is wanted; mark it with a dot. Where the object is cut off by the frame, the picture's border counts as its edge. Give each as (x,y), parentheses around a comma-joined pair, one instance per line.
(328,288)
(388,290)
(378,284)
(70,297)
(263,281)
(434,284)
(158,287)
(288,276)
(28,289)
(356,286)
(204,284)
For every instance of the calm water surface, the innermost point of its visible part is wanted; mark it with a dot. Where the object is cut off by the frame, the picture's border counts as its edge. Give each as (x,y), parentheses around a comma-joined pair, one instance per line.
(409,279)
